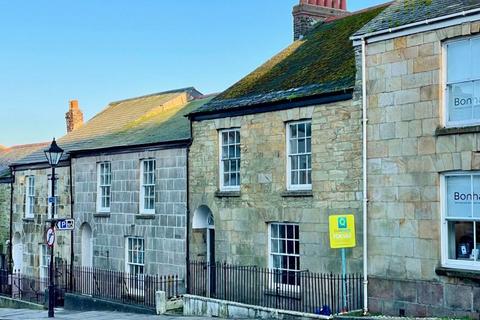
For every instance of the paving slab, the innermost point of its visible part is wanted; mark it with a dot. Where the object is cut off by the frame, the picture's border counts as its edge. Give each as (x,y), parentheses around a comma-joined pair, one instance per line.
(61,314)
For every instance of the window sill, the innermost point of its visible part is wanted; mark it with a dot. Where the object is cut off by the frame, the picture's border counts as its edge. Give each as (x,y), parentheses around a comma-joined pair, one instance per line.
(457,130)
(145,216)
(227,194)
(458,273)
(297,193)
(101,215)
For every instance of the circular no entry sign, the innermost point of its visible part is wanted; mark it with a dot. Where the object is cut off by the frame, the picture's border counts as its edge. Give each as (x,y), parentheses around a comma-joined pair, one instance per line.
(50,237)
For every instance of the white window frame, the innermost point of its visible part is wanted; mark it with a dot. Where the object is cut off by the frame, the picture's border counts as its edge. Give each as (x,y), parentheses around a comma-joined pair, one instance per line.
(44,265)
(445,83)
(101,187)
(447,262)
(142,209)
(29,196)
(135,286)
(220,160)
(273,283)
(290,186)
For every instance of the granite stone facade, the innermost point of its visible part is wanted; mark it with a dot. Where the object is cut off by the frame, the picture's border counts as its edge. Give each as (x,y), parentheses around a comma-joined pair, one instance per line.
(408,150)
(4,217)
(30,232)
(241,219)
(164,232)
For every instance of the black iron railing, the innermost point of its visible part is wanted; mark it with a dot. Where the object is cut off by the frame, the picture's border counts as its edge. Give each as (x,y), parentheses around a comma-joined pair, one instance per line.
(98,283)
(303,291)
(121,286)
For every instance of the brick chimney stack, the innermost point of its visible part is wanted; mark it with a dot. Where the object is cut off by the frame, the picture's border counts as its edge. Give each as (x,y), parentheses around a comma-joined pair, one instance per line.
(308,12)
(74,116)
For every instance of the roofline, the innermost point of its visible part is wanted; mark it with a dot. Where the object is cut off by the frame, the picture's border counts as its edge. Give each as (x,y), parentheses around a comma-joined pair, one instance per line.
(183,143)
(343,95)
(186,89)
(419,26)
(116,149)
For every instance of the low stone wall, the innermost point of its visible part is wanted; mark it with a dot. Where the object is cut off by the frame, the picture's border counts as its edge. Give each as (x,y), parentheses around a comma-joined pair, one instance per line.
(201,306)
(6,302)
(424,298)
(86,303)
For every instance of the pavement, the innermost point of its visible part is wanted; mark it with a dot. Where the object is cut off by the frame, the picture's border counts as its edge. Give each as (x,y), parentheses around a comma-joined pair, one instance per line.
(61,314)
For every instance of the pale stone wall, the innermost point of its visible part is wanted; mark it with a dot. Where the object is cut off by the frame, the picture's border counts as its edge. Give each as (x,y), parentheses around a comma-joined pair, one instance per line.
(4,216)
(32,231)
(405,159)
(163,233)
(241,228)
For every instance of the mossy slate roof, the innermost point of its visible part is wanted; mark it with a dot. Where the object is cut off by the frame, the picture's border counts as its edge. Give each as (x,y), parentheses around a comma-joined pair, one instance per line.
(323,62)
(403,12)
(153,119)
(9,155)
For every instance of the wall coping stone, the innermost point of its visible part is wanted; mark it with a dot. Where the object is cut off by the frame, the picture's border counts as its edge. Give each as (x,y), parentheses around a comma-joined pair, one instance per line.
(145,216)
(297,193)
(227,194)
(442,131)
(458,273)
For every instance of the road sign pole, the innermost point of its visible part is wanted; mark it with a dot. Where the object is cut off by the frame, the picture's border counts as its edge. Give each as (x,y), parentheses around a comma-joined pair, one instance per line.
(344,278)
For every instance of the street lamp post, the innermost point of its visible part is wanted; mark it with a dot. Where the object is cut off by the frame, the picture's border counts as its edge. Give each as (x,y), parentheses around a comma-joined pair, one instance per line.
(53,154)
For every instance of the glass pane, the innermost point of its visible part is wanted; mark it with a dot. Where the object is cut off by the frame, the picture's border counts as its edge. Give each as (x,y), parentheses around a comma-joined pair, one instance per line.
(301,146)
(231,137)
(281,231)
(275,246)
(302,177)
(290,231)
(237,136)
(476,197)
(460,240)
(231,152)
(226,179)
(274,230)
(458,62)
(309,129)
(301,130)
(460,101)
(459,197)
(224,152)
(309,145)
(476,100)
(293,131)
(294,161)
(303,162)
(237,151)
(294,177)
(224,138)
(475,67)
(277,262)
(293,147)
(290,247)
(297,248)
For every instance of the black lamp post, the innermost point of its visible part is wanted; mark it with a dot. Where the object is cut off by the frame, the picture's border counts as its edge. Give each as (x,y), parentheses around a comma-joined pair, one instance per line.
(53,154)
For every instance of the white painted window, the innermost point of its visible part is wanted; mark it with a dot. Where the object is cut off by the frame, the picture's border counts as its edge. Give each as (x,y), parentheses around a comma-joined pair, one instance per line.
(29,196)
(461,220)
(284,251)
(135,261)
(104,187)
(50,194)
(230,160)
(462,82)
(147,189)
(299,155)
(44,262)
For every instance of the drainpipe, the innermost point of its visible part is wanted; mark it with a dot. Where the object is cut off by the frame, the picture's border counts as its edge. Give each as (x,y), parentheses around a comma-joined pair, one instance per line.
(365,185)
(187,219)
(10,245)
(72,201)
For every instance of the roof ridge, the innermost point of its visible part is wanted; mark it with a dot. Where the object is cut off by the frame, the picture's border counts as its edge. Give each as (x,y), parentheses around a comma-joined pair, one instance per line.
(19,146)
(186,89)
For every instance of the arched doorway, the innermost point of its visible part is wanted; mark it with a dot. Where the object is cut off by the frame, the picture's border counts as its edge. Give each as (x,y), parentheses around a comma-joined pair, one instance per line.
(17,253)
(87,245)
(203,219)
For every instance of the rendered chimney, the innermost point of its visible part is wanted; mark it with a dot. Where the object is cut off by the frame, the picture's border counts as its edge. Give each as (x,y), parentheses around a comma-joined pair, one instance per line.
(74,116)
(308,12)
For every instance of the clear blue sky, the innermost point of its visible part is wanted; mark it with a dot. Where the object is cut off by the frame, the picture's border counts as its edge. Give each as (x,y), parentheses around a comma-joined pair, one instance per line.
(95,51)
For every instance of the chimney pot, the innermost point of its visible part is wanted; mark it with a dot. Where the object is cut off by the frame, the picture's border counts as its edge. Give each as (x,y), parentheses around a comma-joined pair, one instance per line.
(74,116)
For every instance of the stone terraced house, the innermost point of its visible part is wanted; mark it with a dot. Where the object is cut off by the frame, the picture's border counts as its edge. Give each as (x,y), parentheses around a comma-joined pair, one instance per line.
(278,152)
(7,156)
(127,166)
(423,71)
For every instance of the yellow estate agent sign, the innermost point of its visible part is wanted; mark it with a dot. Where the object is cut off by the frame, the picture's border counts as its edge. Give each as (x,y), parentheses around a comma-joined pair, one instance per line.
(342,231)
